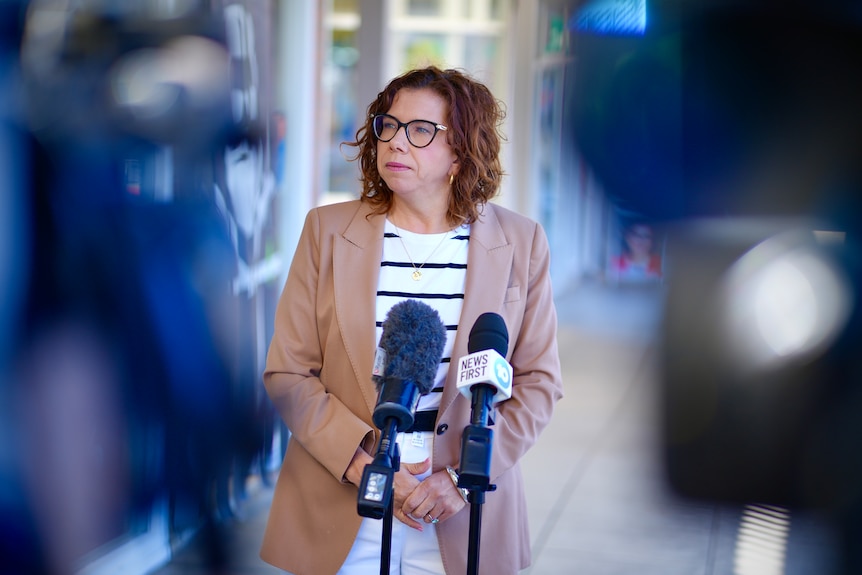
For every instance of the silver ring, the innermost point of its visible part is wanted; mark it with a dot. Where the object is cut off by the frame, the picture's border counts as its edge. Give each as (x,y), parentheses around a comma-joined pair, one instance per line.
(435,520)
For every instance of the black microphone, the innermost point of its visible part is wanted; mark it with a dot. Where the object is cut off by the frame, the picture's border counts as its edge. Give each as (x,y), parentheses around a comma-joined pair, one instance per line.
(410,349)
(484,374)
(408,356)
(487,347)
(489,332)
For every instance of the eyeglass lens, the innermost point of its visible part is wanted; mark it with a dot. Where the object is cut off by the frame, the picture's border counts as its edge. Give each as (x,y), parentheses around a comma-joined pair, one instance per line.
(420,133)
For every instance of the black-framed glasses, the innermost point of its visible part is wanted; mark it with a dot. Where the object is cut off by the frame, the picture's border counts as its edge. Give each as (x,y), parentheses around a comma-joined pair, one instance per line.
(420,133)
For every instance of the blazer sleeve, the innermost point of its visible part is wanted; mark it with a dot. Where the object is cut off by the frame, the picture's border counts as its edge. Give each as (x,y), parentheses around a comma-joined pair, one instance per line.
(319,420)
(537,383)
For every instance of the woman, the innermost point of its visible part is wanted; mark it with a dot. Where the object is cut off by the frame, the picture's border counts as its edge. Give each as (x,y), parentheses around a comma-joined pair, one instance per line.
(423,229)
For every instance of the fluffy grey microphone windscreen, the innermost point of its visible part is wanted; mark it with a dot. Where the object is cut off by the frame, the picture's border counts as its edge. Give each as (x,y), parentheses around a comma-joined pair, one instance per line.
(413,339)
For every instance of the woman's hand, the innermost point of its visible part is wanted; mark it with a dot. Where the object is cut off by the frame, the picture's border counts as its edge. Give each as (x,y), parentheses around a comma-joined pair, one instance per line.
(404,485)
(435,497)
(414,502)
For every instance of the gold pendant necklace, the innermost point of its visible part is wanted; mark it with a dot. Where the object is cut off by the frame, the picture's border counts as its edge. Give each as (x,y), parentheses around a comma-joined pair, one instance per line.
(417,271)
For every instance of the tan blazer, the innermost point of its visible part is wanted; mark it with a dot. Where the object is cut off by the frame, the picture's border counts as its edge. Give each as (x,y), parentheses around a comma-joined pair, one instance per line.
(318,375)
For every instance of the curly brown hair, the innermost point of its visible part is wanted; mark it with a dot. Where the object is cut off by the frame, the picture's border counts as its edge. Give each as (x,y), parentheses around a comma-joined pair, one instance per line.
(475,116)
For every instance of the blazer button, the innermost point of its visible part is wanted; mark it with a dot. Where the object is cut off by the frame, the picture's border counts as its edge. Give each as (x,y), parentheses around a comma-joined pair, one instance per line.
(441,429)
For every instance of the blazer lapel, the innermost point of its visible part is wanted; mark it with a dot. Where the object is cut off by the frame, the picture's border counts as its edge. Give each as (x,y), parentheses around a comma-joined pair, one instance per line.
(489,261)
(356,268)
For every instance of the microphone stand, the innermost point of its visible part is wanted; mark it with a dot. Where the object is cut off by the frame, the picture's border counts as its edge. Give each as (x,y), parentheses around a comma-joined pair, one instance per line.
(386,543)
(375,489)
(394,413)
(475,468)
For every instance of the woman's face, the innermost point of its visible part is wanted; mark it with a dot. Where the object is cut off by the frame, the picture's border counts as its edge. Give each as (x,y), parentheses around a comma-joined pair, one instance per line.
(406,169)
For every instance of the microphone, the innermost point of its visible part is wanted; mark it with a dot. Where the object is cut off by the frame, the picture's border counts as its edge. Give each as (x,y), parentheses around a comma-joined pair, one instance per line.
(486,377)
(486,364)
(405,365)
(406,362)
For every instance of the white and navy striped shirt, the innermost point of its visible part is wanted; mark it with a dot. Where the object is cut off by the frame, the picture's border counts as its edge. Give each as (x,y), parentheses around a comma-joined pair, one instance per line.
(441,286)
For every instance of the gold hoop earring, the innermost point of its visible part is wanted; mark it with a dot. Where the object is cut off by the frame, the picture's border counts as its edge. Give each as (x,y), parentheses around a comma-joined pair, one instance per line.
(451,178)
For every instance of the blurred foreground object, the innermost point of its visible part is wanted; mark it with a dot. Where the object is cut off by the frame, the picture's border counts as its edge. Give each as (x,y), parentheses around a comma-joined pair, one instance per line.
(761,366)
(738,124)
(121,408)
(151,70)
(722,107)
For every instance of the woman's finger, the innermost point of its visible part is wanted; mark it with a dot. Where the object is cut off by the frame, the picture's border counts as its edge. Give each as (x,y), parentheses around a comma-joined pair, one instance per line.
(407,520)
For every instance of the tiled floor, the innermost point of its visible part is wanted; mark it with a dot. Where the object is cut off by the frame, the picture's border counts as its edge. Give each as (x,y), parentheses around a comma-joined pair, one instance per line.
(598,503)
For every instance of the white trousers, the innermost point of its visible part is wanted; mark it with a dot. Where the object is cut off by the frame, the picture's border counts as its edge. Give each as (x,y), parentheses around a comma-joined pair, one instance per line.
(413,552)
